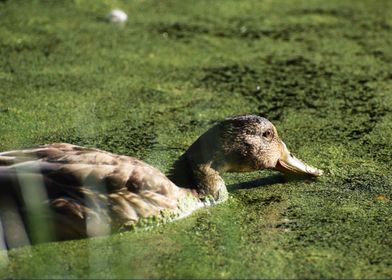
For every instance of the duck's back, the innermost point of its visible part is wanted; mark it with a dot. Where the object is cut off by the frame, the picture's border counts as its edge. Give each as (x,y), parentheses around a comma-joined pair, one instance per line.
(84,191)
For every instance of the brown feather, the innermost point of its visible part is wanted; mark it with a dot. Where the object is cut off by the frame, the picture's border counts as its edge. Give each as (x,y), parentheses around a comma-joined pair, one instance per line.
(82,183)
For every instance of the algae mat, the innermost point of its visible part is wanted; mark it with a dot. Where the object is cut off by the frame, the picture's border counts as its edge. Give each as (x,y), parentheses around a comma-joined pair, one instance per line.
(320,70)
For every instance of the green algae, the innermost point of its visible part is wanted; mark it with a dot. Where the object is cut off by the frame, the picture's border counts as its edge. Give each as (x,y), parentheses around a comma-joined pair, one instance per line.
(319,69)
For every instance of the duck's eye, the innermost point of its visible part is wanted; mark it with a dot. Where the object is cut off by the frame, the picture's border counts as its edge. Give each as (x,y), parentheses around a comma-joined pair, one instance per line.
(268,134)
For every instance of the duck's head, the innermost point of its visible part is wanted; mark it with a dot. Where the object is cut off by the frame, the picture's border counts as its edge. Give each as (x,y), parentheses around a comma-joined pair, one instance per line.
(251,143)
(238,144)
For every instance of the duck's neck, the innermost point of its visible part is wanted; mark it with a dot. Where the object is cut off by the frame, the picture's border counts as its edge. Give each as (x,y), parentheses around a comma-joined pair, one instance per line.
(202,178)
(199,168)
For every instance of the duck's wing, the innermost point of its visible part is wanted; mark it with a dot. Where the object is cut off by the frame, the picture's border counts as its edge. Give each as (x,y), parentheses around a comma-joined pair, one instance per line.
(80,183)
(73,165)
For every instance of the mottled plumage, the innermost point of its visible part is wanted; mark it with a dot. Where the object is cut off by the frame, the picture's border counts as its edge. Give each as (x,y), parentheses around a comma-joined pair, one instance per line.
(83,192)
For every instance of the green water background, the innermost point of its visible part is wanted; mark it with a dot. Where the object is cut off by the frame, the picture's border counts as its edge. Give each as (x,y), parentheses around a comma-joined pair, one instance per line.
(320,70)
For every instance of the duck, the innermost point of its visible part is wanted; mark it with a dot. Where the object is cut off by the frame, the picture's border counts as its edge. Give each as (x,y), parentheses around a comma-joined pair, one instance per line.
(62,191)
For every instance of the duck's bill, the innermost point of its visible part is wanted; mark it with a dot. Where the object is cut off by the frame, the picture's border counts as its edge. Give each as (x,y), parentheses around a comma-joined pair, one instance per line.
(290,164)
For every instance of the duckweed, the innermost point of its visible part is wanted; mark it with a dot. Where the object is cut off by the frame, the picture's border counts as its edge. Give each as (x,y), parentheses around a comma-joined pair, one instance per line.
(320,70)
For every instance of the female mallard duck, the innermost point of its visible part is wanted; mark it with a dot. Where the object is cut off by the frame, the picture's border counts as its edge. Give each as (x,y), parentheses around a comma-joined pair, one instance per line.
(85,192)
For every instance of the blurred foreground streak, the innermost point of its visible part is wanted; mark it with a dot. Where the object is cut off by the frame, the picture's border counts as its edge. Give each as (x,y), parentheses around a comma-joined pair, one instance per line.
(26,220)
